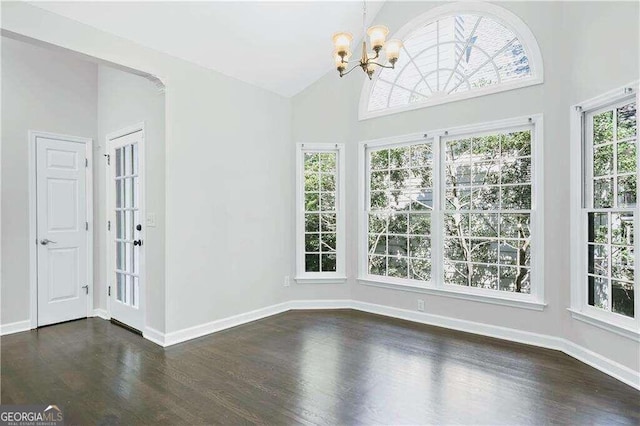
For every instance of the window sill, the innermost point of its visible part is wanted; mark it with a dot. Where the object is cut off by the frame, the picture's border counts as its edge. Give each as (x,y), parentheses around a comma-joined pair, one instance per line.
(321,280)
(445,292)
(627,332)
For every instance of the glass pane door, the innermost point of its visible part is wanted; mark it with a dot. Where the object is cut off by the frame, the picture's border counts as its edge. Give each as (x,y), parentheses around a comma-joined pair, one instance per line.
(128,225)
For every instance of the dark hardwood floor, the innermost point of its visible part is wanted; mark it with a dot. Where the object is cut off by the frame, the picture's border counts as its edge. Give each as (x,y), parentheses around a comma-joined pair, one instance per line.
(321,367)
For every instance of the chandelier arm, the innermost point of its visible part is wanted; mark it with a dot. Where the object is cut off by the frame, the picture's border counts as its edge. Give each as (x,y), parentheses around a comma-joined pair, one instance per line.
(381,66)
(354,67)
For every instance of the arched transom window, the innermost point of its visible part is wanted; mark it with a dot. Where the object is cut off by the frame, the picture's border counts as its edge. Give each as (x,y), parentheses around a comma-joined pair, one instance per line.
(459,51)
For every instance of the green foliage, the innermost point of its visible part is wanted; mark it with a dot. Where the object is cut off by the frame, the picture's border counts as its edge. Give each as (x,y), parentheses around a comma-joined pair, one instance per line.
(320,216)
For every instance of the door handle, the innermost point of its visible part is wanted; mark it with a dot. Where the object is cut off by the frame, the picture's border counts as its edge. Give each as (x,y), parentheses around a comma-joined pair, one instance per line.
(46,241)
(137,242)
(86,289)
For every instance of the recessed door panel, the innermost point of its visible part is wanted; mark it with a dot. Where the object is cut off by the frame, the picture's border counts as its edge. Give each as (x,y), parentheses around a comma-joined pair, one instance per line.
(63,280)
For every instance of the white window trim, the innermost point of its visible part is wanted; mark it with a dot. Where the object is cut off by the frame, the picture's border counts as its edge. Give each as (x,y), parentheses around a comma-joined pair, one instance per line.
(580,309)
(498,13)
(340,276)
(534,300)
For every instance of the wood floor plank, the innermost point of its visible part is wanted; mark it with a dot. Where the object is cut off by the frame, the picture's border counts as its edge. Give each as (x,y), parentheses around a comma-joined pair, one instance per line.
(338,367)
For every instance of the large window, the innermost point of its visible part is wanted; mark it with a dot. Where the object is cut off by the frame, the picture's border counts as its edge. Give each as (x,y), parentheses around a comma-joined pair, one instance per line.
(399,213)
(455,211)
(606,279)
(320,215)
(487,220)
(453,52)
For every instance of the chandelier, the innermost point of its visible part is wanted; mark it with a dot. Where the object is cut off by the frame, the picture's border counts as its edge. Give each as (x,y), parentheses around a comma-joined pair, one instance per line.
(368,61)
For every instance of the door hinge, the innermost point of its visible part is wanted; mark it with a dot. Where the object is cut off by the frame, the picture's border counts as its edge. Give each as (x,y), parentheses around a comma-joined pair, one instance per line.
(108,225)
(86,162)
(109,291)
(108,159)
(86,226)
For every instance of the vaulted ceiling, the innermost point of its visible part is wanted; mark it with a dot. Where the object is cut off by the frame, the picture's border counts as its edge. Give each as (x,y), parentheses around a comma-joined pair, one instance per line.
(280,46)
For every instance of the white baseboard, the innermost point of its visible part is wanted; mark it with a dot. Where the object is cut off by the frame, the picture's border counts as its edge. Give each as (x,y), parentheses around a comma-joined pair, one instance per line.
(15,327)
(612,368)
(101,313)
(222,324)
(154,335)
(606,365)
(301,305)
(498,332)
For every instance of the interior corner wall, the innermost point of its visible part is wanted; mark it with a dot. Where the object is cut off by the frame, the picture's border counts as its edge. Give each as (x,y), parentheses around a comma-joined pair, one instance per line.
(125,99)
(228,161)
(44,91)
(572,37)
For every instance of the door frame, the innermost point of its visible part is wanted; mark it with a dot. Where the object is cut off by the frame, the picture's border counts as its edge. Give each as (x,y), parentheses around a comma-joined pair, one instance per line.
(138,127)
(33,136)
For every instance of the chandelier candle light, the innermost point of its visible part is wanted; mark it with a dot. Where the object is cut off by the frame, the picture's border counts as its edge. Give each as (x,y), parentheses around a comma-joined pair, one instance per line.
(377,36)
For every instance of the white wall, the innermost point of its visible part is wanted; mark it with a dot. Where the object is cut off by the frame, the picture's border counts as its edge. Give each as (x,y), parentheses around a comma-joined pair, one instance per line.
(125,99)
(228,162)
(583,46)
(46,91)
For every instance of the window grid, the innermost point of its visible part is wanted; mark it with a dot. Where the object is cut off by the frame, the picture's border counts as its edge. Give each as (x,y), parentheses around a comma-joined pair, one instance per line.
(610,267)
(506,265)
(400,200)
(470,57)
(320,211)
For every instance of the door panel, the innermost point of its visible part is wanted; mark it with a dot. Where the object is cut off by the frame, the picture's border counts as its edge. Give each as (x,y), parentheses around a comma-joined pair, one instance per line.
(61,196)
(126,236)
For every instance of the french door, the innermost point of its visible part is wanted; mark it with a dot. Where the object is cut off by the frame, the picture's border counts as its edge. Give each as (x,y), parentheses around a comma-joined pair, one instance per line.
(126,213)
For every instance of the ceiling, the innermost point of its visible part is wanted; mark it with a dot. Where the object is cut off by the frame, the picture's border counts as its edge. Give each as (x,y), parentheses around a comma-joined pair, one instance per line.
(280,46)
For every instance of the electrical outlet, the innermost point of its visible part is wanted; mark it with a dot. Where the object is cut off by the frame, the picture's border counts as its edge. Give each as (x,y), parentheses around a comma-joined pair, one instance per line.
(421,305)
(287,281)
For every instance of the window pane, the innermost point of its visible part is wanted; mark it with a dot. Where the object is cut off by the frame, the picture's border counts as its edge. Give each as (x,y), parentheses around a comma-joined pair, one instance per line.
(380,159)
(622,297)
(398,267)
(603,160)
(627,157)
(603,127)
(328,182)
(311,162)
(312,242)
(327,201)
(622,228)
(627,121)
(311,183)
(598,227)
(419,224)
(329,262)
(420,269)
(516,144)
(627,191)
(312,262)
(328,161)
(378,265)
(328,242)
(312,222)
(312,201)
(599,292)
(603,193)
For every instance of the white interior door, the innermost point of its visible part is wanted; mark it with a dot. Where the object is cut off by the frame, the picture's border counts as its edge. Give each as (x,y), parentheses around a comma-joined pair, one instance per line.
(62,230)
(126,230)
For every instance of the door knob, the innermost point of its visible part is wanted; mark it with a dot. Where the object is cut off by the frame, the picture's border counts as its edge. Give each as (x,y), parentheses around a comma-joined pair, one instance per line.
(46,241)
(137,242)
